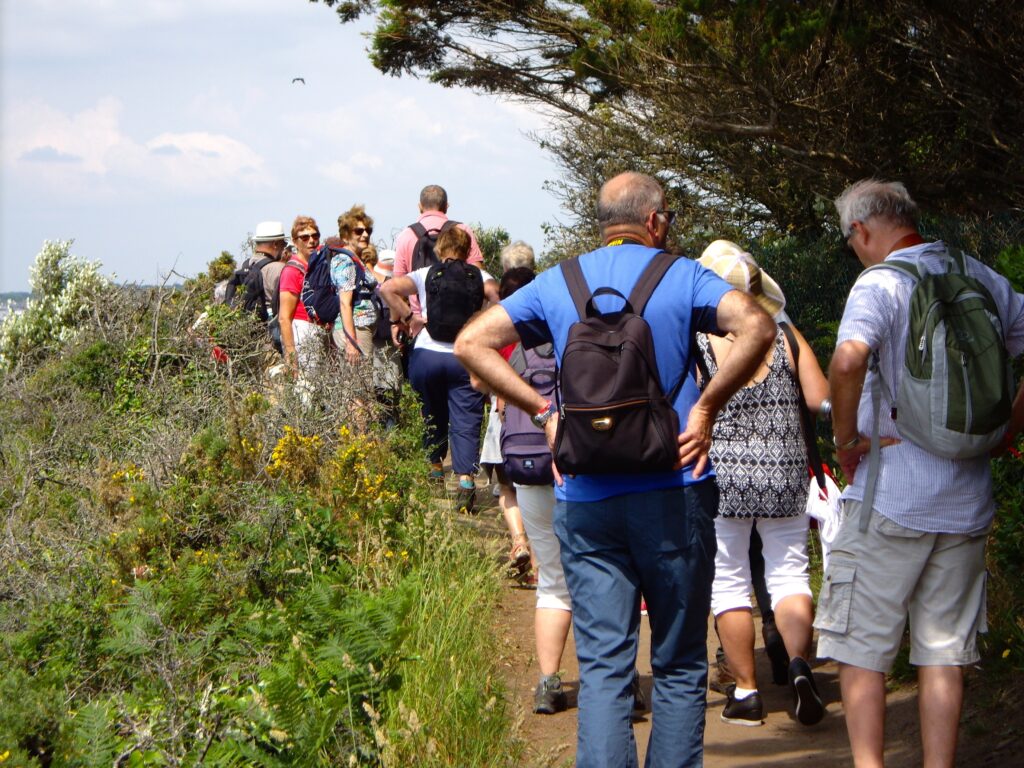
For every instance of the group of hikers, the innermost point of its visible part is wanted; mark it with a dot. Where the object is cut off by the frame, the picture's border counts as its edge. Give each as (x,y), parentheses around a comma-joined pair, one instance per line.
(652,432)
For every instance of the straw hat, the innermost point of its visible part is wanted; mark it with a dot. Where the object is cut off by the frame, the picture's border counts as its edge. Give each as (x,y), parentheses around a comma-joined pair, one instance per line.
(385,266)
(738,268)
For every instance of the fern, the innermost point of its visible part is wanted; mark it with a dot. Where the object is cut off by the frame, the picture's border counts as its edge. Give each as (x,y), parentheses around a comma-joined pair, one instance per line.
(91,741)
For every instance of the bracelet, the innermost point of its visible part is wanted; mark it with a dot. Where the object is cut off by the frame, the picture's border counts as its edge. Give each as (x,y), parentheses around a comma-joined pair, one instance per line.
(847,445)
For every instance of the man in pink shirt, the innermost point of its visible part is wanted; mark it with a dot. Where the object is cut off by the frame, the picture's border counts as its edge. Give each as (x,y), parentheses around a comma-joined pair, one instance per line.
(433,215)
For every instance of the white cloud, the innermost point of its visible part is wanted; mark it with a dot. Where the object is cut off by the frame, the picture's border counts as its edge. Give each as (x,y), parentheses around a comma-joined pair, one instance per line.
(71,153)
(197,161)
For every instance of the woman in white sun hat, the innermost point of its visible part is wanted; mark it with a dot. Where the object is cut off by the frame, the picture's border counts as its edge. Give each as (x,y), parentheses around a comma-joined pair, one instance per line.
(760,459)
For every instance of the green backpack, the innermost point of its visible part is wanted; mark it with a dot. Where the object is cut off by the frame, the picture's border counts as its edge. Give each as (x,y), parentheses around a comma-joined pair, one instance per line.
(957,388)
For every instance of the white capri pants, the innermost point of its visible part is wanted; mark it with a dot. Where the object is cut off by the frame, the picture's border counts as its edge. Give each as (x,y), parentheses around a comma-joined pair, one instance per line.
(537,504)
(784,547)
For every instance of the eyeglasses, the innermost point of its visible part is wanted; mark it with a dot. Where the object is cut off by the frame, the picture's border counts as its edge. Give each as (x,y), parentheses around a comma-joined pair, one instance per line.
(669,215)
(309,236)
(361,230)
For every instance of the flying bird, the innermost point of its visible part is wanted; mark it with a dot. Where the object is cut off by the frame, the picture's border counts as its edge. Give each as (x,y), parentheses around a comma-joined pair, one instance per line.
(299,80)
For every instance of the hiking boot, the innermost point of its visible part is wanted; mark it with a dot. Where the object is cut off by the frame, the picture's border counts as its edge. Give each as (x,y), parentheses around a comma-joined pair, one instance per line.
(639,700)
(549,698)
(807,704)
(465,499)
(436,474)
(748,711)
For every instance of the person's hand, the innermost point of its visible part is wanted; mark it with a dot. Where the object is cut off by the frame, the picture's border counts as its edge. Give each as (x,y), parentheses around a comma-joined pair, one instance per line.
(849,458)
(396,334)
(416,325)
(352,353)
(695,441)
(550,432)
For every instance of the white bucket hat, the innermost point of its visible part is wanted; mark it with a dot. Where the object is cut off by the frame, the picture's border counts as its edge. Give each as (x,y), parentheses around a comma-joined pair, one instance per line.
(268,232)
(738,268)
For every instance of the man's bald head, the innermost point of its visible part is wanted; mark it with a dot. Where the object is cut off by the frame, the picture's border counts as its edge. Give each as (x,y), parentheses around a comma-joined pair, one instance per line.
(629,199)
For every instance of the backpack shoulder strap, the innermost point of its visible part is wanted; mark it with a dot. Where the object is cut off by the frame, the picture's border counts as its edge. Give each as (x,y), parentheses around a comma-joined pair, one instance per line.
(259,265)
(446,226)
(905,267)
(649,280)
(959,259)
(297,265)
(578,288)
(418,229)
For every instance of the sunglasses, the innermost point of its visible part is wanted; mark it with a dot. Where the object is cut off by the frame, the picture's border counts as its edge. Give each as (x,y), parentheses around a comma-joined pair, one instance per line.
(670,215)
(361,230)
(309,236)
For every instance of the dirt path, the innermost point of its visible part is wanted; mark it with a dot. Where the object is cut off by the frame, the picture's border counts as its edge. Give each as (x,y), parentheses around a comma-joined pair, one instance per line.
(990,732)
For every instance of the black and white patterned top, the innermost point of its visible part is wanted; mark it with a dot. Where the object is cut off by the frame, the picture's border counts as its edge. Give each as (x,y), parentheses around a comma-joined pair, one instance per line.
(757,445)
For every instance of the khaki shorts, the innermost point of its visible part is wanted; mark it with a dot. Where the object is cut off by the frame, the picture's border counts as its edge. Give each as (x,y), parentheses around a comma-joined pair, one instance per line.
(877,578)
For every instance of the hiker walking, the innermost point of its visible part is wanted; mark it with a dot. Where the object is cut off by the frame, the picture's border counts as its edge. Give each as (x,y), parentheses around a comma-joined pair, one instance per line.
(919,505)
(301,338)
(449,293)
(634,503)
(760,455)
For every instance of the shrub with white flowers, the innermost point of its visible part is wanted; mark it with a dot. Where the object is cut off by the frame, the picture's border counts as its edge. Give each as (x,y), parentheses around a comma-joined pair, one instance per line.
(65,289)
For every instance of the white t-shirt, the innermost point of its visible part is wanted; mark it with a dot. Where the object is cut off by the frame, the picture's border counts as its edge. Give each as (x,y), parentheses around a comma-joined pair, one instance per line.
(918,489)
(423,338)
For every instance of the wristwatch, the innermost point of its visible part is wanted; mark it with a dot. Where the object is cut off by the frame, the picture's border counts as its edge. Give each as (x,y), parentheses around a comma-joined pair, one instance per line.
(543,416)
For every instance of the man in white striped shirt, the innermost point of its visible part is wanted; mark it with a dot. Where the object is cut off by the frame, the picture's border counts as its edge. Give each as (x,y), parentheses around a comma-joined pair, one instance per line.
(924,551)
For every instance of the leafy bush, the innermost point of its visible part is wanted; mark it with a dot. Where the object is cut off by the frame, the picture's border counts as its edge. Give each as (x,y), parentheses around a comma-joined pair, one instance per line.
(65,290)
(208,567)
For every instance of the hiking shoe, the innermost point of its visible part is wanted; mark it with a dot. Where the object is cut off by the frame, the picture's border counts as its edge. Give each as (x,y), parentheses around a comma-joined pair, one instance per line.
(807,704)
(748,711)
(519,557)
(436,473)
(549,698)
(465,500)
(639,700)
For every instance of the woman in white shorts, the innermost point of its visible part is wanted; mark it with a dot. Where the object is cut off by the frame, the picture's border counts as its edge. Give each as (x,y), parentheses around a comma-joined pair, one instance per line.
(760,458)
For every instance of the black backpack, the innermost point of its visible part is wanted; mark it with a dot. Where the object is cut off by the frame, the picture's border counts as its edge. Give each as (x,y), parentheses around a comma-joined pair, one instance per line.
(614,415)
(319,293)
(455,292)
(423,254)
(526,457)
(245,287)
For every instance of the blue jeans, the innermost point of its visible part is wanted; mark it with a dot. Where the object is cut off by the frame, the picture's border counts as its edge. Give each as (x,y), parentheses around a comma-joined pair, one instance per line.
(660,543)
(451,407)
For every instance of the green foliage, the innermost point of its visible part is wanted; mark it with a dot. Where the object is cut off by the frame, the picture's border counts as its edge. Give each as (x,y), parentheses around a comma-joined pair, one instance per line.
(193,583)
(491,240)
(222,267)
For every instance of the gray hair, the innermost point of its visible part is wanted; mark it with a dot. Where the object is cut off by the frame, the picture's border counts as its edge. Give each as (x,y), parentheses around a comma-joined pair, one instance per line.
(629,203)
(517,254)
(873,197)
(434,198)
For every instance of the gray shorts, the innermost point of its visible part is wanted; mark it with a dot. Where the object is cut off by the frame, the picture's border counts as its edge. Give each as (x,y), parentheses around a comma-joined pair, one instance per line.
(877,578)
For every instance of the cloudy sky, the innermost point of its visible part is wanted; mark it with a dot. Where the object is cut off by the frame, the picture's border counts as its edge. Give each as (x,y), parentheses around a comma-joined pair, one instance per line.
(157,133)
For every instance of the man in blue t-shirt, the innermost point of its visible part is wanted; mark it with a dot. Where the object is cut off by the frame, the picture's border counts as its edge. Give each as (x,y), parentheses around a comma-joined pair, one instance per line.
(653,533)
